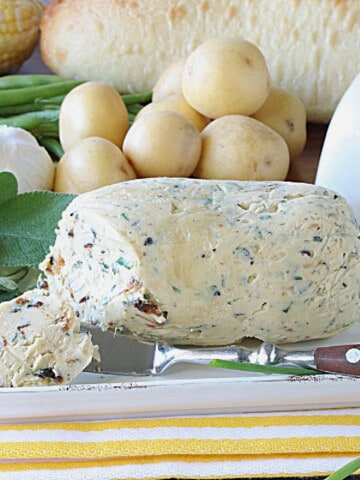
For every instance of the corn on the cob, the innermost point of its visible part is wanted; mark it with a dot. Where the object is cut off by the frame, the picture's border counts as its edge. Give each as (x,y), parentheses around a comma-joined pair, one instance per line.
(19,31)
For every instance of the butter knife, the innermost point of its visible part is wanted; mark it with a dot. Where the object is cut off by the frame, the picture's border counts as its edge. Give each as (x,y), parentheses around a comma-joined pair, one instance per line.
(123,355)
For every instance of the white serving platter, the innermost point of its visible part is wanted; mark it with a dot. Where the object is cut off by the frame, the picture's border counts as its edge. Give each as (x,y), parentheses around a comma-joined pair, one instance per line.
(182,390)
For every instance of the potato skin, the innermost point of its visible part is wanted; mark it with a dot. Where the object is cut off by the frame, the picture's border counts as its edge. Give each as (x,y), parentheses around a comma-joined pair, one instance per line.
(226,76)
(177,103)
(169,82)
(163,143)
(237,147)
(93,163)
(93,109)
(286,114)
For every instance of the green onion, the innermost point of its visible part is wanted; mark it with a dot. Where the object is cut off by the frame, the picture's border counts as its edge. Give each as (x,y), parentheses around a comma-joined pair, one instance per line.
(250,367)
(346,470)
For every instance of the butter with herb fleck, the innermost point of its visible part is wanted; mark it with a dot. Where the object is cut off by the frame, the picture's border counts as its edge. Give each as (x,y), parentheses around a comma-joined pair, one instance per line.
(206,262)
(40,341)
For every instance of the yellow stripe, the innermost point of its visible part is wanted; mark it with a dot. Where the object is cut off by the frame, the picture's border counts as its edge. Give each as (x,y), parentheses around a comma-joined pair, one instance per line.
(119,462)
(134,448)
(221,422)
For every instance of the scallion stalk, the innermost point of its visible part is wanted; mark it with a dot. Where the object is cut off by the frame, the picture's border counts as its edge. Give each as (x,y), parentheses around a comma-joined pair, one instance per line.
(345,471)
(250,367)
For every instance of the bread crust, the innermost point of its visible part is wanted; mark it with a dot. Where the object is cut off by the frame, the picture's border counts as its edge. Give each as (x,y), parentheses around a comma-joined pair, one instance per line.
(312,47)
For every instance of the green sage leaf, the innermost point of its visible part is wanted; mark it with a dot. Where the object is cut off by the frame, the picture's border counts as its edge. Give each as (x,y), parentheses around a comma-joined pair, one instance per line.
(8,186)
(27,226)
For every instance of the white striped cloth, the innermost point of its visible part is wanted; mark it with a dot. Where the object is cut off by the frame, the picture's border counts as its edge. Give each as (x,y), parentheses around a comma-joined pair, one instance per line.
(300,443)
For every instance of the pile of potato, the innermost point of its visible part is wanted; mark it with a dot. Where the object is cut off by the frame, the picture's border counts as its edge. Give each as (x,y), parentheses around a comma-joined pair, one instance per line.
(213,115)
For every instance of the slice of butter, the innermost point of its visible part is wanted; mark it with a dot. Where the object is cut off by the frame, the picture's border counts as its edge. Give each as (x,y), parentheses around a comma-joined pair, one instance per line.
(40,343)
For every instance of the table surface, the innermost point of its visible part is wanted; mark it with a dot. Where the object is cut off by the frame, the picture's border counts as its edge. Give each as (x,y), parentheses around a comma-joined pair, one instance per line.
(303,169)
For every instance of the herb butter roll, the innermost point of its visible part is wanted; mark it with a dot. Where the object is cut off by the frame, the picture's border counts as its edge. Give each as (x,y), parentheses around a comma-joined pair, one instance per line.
(206,262)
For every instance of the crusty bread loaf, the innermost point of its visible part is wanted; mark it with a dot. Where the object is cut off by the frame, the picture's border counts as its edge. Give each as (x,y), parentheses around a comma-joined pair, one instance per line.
(312,46)
(207,262)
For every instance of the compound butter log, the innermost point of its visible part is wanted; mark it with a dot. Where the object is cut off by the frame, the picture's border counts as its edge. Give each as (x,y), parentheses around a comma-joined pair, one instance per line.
(206,262)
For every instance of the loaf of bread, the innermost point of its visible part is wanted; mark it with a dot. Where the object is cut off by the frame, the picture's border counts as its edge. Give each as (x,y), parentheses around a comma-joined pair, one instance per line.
(312,47)
(205,262)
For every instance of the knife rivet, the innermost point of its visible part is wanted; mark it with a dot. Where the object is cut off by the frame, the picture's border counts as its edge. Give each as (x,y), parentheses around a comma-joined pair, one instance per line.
(353,355)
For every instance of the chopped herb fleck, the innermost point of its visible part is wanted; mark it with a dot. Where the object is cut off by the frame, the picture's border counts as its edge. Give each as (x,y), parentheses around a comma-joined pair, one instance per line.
(317,238)
(297,277)
(124,216)
(215,290)
(307,252)
(176,289)
(124,263)
(148,241)
(243,251)
(286,309)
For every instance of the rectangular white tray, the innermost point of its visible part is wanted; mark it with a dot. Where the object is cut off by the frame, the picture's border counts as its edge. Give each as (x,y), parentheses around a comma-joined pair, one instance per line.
(183,390)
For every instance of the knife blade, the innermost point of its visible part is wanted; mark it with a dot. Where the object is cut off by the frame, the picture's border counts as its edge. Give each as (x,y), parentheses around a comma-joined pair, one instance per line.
(122,355)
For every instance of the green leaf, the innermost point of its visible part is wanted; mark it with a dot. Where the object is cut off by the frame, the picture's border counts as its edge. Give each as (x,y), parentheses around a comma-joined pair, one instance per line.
(250,367)
(345,471)
(27,226)
(8,186)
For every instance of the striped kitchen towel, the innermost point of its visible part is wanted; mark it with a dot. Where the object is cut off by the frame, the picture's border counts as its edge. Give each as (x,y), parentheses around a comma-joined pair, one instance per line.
(297,443)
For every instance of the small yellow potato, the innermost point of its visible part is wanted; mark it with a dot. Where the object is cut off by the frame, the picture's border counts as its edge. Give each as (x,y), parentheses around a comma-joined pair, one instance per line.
(163,143)
(226,76)
(93,109)
(177,103)
(285,113)
(93,163)
(237,147)
(169,82)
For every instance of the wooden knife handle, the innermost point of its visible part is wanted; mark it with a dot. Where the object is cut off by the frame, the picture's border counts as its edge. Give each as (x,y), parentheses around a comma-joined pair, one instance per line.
(338,359)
